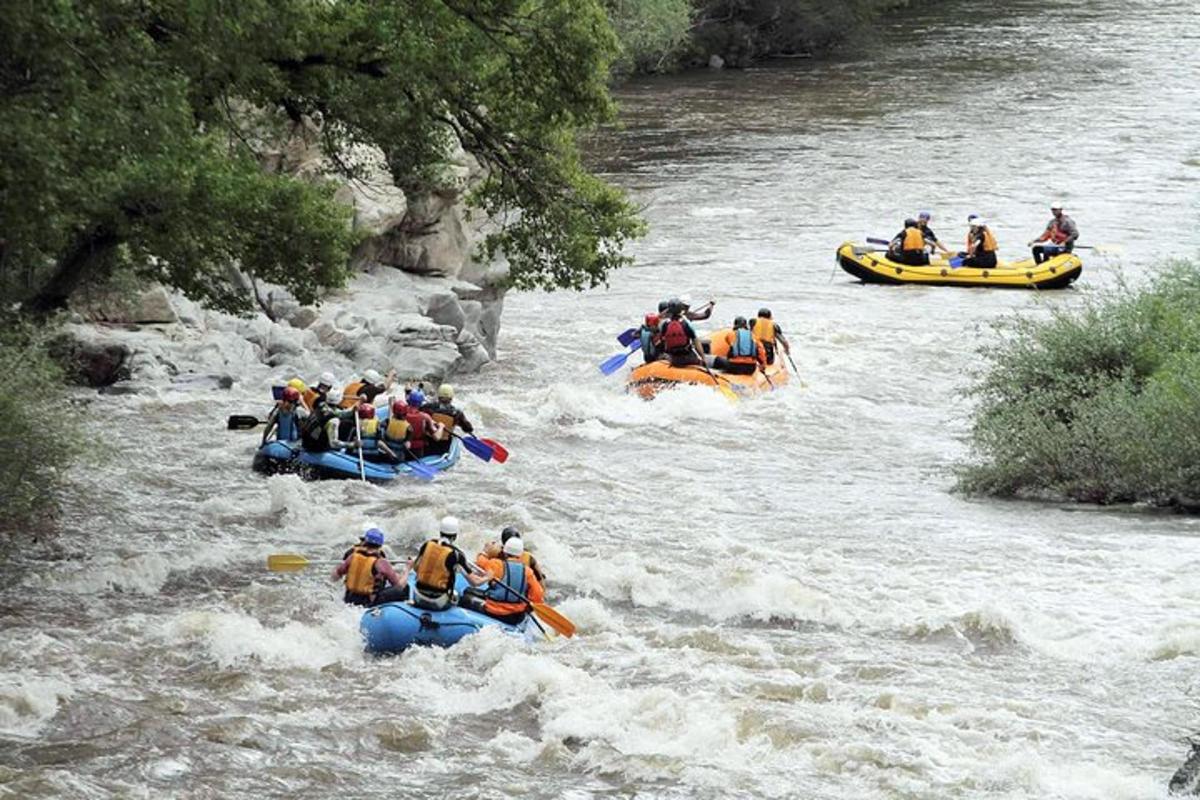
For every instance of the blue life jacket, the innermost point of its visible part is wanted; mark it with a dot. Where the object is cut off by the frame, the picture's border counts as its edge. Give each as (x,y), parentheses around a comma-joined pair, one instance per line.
(649,351)
(514,576)
(289,427)
(743,344)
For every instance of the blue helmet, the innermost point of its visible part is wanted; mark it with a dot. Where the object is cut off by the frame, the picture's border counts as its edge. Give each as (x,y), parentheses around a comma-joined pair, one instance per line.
(416,398)
(373,536)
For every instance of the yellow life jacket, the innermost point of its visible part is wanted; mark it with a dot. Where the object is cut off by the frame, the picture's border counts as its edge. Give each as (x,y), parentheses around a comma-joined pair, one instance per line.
(369,427)
(396,430)
(350,394)
(914,239)
(360,578)
(432,575)
(764,332)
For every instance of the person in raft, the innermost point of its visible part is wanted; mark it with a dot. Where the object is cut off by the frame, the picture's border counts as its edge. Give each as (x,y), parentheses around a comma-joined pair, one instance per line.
(448,416)
(981,244)
(513,585)
(650,339)
(679,338)
(407,433)
(437,563)
(366,571)
(319,432)
(1061,231)
(312,395)
(700,314)
(746,354)
(286,418)
(768,332)
(908,246)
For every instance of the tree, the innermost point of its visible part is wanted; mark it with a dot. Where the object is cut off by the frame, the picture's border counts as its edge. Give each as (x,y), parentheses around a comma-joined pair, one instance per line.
(133,130)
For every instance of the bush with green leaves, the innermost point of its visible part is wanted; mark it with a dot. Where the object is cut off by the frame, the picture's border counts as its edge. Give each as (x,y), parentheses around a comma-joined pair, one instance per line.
(37,446)
(133,132)
(651,32)
(1099,404)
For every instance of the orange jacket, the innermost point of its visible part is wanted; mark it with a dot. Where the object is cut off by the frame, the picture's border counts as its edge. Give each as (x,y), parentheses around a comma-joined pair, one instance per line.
(495,568)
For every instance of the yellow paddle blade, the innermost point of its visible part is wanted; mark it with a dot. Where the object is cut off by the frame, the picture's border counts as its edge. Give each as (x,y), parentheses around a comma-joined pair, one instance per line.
(554,619)
(286,562)
(730,395)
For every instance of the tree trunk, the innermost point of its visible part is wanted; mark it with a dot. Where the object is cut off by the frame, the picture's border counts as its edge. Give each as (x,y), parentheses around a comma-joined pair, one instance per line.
(86,253)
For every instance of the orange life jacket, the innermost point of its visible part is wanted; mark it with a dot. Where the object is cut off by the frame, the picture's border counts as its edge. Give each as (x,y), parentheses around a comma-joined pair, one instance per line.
(914,239)
(988,245)
(1057,234)
(432,576)
(360,577)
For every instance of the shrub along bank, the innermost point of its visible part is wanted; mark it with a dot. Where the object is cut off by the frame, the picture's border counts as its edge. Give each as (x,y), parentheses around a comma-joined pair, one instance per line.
(1100,404)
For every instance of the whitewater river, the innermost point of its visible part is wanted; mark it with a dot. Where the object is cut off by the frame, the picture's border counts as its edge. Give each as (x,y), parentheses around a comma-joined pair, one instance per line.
(778,599)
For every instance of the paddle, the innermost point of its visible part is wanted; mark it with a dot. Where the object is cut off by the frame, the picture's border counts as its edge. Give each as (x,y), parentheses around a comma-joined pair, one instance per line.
(498,451)
(417,468)
(362,468)
(614,363)
(243,422)
(551,617)
(292,562)
(627,337)
(1102,249)
(884,242)
(475,446)
(723,389)
(793,363)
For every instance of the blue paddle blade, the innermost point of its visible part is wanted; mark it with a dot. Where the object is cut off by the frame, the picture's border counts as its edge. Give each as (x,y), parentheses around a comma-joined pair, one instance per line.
(614,363)
(477,447)
(628,337)
(421,471)
(956,262)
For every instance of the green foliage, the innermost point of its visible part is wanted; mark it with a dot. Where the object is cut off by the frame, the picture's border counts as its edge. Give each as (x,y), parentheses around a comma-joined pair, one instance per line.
(651,32)
(37,447)
(135,134)
(1100,404)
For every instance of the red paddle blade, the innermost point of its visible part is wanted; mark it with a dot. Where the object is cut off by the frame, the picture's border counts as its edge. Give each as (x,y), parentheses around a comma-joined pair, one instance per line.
(499,454)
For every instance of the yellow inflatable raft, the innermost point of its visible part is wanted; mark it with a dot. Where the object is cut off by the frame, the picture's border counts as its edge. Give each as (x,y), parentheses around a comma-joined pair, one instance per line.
(649,379)
(871,265)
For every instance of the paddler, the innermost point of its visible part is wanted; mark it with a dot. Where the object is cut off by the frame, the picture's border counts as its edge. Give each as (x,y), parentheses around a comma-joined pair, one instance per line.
(746,354)
(767,331)
(324,383)
(679,338)
(366,571)
(408,429)
(286,418)
(448,416)
(650,340)
(513,585)
(494,549)
(1061,231)
(981,244)
(699,315)
(370,386)
(319,432)
(436,565)
(908,246)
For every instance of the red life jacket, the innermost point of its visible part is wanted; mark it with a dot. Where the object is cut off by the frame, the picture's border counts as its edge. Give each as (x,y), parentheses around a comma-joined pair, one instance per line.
(675,338)
(416,428)
(1057,235)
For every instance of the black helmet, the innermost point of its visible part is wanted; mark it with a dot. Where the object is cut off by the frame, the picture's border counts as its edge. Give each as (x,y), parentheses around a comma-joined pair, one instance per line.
(739,322)
(663,305)
(910,223)
(765,313)
(509,533)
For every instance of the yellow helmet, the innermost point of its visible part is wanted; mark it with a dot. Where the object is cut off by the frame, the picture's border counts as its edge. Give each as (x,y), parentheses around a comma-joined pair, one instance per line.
(445,392)
(298,385)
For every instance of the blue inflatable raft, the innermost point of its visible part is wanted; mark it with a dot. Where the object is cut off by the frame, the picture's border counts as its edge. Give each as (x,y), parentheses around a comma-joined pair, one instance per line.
(288,457)
(394,627)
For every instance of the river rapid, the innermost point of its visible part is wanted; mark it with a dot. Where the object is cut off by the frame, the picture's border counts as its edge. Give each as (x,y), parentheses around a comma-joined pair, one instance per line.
(781,598)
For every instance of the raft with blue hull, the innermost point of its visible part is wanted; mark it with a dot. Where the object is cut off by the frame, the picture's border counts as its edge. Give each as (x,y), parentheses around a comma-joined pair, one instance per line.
(288,457)
(394,627)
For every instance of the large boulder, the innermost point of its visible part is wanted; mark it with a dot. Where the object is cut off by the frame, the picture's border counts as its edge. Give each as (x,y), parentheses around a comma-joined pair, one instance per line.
(151,305)
(89,358)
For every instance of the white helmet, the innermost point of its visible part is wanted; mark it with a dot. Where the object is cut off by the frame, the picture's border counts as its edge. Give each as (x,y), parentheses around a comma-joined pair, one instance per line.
(449,527)
(686,300)
(514,546)
(372,377)
(334,396)
(1056,205)
(326,379)
(979,222)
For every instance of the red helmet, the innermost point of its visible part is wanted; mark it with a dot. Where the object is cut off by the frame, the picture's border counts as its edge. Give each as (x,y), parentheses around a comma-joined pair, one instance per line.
(652,320)
(366,411)
(290,395)
(399,407)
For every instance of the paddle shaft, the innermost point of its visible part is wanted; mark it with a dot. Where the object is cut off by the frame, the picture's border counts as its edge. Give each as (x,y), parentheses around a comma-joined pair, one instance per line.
(362,468)
(481,571)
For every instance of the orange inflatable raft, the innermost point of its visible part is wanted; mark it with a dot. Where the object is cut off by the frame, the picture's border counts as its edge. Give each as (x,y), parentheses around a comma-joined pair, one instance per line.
(649,379)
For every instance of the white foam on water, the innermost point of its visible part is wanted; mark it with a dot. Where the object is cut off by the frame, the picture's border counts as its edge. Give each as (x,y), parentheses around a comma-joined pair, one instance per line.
(28,703)
(233,639)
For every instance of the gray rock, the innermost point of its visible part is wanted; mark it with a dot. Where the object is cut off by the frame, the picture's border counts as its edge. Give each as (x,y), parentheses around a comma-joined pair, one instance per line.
(149,306)
(302,317)
(716,62)
(93,362)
